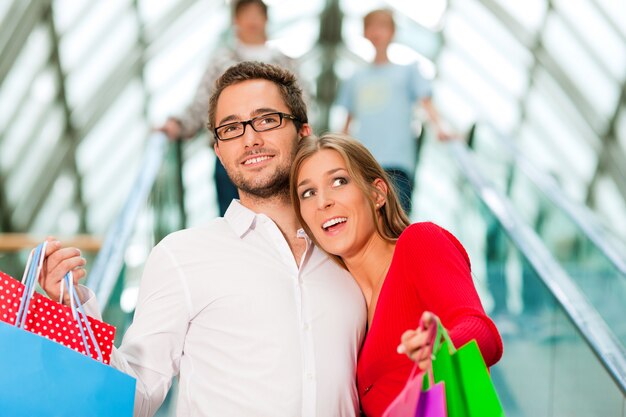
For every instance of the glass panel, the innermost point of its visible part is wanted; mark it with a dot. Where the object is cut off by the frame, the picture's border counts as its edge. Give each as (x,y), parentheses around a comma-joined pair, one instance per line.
(56,217)
(491,28)
(296,39)
(117,136)
(68,14)
(172,72)
(529,13)
(31,141)
(577,160)
(281,12)
(590,268)
(428,13)
(356,9)
(4,9)
(100,145)
(30,169)
(152,11)
(92,30)
(593,29)
(455,109)
(86,79)
(616,11)
(111,185)
(502,110)
(484,53)
(589,78)
(546,86)
(547,368)
(611,205)
(19,80)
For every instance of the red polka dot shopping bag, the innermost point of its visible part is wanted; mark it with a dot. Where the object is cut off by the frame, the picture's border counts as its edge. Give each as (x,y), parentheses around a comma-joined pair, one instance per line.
(54,321)
(47,353)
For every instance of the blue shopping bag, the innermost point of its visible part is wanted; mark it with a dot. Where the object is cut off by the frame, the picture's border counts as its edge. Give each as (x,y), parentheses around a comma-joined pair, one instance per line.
(40,377)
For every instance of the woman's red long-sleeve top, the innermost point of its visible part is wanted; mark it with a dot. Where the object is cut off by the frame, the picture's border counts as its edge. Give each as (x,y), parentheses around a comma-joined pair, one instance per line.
(430,271)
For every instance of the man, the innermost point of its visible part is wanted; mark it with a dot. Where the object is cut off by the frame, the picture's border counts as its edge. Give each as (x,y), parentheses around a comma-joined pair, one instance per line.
(250,22)
(381,97)
(246,311)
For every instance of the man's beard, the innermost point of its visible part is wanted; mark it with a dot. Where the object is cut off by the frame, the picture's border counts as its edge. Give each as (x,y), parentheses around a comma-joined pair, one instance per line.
(275,186)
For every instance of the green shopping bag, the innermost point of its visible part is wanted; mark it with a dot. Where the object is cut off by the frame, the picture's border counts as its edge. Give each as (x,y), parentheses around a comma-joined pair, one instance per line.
(469,389)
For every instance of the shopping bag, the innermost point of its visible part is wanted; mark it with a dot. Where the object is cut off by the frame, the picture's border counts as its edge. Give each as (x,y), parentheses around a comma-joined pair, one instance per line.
(42,378)
(469,389)
(420,397)
(49,318)
(432,402)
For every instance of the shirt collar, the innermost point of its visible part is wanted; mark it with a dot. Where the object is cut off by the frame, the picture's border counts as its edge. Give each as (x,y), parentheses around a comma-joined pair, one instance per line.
(241,219)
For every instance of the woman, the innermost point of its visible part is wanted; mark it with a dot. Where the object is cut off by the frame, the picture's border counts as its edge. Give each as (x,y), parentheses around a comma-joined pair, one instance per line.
(345,203)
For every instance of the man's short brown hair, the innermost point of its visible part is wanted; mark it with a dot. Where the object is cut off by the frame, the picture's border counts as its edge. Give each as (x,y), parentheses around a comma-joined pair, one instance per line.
(240,4)
(385,14)
(284,79)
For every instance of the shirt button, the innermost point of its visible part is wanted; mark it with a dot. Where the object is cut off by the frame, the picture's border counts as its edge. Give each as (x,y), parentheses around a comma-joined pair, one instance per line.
(309,375)
(306,326)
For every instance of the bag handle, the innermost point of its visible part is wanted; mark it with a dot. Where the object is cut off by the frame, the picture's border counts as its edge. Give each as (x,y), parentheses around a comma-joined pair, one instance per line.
(77,307)
(29,279)
(442,332)
(433,340)
(32,271)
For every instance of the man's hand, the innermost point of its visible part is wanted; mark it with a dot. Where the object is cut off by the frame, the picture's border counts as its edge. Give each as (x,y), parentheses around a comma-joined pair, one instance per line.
(444,135)
(172,129)
(58,262)
(415,343)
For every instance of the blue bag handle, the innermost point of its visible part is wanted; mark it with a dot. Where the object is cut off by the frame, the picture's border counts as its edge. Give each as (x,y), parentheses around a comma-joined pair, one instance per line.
(77,306)
(31,272)
(29,279)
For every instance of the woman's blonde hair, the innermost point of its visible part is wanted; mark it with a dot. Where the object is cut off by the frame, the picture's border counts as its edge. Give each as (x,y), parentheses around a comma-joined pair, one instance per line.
(364,170)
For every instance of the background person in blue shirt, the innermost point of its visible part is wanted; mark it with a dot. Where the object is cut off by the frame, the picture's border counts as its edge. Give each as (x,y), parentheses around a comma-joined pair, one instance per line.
(380,99)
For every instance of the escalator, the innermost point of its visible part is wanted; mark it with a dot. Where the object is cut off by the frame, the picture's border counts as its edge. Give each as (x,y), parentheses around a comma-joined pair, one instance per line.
(587,249)
(554,294)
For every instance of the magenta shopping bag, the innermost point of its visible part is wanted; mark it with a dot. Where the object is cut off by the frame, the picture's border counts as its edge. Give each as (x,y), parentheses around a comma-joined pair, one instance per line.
(432,403)
(420,397)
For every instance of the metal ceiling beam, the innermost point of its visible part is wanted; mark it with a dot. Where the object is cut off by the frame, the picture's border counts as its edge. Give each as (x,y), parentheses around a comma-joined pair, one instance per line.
(329,42)
(70,131)
(16,30)
(611,160)
(5,210)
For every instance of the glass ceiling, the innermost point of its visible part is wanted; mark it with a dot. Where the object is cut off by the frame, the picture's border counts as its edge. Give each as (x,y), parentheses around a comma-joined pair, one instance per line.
(83,82)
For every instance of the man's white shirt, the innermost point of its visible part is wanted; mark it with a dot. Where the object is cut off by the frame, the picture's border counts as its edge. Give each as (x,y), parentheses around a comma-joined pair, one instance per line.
(226,307)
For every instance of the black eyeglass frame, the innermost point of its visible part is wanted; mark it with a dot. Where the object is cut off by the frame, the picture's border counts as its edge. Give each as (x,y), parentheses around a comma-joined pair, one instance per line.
(250,122)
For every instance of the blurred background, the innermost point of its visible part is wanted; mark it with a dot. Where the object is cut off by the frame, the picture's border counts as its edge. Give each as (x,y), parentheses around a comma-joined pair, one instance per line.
(536,191)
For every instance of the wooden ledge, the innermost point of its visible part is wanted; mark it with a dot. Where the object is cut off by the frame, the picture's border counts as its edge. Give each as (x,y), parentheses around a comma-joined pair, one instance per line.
(15,242)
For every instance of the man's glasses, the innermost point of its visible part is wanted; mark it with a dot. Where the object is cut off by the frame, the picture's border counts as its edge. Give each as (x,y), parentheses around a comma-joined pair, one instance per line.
(261,123)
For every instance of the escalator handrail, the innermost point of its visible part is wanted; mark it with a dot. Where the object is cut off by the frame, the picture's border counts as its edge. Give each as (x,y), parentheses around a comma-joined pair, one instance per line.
(592,327)
(580,214)
(110,258)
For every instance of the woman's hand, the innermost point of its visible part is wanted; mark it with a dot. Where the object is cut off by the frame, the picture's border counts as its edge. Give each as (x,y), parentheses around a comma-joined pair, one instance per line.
(58,262)
(415,343)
